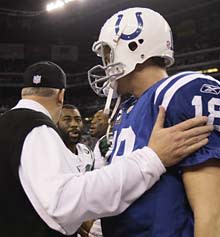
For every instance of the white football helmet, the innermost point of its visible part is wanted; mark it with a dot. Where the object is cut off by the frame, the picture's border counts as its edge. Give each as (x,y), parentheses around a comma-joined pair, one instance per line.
(128,38)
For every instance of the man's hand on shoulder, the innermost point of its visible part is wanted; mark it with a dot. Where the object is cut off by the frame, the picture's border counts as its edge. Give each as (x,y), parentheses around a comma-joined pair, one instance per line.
(177,142)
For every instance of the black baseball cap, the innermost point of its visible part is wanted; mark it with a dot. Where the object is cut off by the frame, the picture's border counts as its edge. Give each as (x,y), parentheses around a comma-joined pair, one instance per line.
(45,74)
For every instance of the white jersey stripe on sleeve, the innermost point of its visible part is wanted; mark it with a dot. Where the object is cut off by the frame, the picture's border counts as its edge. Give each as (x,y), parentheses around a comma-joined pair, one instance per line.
(180,83)
(165,83)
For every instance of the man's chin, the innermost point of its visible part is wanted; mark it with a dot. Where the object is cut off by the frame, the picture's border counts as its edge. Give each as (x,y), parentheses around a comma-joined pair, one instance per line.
(74,140)
(93,132)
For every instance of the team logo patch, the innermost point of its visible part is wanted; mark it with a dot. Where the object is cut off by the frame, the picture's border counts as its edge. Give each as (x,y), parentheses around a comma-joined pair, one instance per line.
(37,79)
(210,89)
(86,151)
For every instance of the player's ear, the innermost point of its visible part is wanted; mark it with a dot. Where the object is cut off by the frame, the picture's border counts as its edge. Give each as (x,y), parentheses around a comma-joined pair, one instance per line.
(60,97)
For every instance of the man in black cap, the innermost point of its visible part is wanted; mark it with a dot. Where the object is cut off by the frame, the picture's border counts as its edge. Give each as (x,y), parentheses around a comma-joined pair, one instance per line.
(42,192)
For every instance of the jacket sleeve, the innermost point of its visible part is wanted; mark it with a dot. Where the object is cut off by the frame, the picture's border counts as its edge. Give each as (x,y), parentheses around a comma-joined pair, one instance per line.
(64,198)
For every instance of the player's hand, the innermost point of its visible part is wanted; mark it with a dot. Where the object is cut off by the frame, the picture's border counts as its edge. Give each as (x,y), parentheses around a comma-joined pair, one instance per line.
(175,143)
(85,228)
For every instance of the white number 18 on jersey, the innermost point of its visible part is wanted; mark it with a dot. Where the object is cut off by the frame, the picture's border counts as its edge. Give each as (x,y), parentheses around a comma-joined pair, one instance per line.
(197,102)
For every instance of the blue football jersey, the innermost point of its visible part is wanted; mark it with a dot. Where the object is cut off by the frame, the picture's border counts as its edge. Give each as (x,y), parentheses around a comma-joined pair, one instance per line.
(163,211)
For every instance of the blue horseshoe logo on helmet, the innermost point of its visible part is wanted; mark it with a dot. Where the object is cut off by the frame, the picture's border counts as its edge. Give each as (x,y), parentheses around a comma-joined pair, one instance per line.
(135,33)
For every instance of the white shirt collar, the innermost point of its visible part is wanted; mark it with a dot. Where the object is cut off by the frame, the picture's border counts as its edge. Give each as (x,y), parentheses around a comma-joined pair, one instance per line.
(31,104)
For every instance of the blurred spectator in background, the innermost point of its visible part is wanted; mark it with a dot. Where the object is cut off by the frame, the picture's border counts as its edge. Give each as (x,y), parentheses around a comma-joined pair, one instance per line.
(98,129)
(99,124)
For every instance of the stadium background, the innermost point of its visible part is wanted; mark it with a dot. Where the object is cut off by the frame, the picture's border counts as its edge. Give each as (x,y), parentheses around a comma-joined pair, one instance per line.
(29,34)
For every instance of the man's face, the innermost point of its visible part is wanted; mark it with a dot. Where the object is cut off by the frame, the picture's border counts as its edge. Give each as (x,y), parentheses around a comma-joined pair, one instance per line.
(107,55)
(70,125)
(99,124)
(123,87)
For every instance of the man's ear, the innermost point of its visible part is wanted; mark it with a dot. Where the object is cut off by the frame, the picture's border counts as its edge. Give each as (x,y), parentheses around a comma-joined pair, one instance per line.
(60,97)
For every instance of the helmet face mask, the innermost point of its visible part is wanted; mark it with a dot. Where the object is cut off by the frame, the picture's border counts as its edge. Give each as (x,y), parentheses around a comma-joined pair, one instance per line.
(128,38)
(103,50)
(101,76)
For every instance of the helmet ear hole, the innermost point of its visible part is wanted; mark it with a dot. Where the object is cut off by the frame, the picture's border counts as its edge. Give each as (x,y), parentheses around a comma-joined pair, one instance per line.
(141,41)
(132,46)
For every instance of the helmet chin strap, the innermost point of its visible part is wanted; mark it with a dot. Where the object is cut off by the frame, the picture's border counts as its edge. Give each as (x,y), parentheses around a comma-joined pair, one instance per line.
(118,101)
(108,101)
(107,109)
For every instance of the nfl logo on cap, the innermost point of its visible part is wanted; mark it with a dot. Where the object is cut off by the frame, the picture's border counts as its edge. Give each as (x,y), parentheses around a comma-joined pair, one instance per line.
(44,74)
(37,79)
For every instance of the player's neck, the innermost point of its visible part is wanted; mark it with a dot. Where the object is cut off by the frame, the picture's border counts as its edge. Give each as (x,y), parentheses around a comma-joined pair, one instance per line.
(72,147)
(147,78)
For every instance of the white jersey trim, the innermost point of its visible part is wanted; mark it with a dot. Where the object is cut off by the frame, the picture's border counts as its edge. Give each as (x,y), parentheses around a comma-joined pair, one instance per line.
(165,83)
(180,83)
